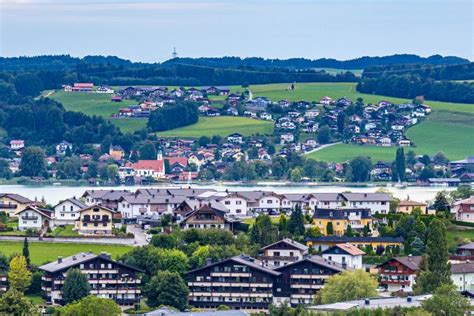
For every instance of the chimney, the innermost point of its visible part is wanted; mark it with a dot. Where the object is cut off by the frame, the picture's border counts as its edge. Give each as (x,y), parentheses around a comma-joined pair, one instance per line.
(367,301)
(409,299)
(74,258)
(208,261)
(60,259)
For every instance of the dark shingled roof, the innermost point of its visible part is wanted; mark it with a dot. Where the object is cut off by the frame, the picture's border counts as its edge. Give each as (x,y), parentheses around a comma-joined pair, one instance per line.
(242,259)
(466,267)
(344,239)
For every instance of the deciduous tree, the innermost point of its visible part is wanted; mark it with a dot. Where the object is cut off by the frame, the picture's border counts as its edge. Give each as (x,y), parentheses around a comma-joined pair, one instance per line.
(167,288)
(76,286)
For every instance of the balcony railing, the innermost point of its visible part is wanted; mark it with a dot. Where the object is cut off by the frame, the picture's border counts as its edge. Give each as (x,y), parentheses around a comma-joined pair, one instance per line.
(29,218)
(281,258)
(8,206)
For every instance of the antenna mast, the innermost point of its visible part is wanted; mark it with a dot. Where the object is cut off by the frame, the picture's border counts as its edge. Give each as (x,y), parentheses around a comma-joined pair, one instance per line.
(174,54)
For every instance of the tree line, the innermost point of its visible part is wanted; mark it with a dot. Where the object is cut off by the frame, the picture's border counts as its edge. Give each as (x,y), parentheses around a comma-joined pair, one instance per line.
(177,115)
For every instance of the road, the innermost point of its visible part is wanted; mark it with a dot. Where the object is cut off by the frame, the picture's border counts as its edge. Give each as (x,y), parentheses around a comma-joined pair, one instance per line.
(321,147)
(140,236)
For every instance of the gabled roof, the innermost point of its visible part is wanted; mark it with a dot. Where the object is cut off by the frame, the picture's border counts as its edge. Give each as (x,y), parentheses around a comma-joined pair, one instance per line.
(290,242)
(73,201)
(316,260)
(410,203)
(411,262)
(16,197)
(346,248)
(465,267)
(76,259)
(41,211)
(98,206)
(345,239)
(245,260)
(155,165)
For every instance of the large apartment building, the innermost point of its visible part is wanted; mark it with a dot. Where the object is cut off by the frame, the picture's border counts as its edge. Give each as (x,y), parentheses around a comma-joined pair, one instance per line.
(243,282)
(108,278)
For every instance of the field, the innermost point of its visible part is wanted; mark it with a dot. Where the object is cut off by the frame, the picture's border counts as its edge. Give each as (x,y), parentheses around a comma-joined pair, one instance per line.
(100,105)
(221,125)
(41,253)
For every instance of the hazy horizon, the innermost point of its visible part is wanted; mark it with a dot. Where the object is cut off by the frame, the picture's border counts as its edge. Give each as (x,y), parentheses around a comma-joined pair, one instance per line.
(147,30)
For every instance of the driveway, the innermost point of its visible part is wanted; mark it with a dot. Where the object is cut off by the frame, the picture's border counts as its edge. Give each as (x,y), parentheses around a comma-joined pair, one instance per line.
(140,236)
(321,147)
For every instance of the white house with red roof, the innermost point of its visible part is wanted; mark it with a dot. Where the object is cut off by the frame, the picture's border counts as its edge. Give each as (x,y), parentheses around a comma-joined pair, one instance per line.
(347,255)
(17,144)
(149,168)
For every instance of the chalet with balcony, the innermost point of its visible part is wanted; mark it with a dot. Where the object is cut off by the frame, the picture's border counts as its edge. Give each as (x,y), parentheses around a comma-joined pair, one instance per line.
(240,282)
(11,203)
(108,278)
(207,216)
(36,218)
(464,253)
(283,252)
(95,220)
(347,255)
(464,210)
(299,281)
(399,273)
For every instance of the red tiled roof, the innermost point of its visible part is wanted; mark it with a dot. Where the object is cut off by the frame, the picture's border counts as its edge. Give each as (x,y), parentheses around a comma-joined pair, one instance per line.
(155,165)
(181,160)
(83,85)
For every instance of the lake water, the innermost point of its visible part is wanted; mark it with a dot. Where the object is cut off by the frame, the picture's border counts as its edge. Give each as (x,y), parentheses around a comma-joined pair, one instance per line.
(54,194)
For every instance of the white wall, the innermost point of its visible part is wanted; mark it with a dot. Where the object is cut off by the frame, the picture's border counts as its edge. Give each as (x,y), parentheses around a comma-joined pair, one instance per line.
(66,213)
(237,206)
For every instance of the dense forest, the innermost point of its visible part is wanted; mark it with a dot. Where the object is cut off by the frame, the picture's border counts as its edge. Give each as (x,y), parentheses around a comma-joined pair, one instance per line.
(409,81)
(303,63)
(169,117)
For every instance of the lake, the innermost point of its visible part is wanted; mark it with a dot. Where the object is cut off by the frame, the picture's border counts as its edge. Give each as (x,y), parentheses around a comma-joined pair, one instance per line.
(54,194)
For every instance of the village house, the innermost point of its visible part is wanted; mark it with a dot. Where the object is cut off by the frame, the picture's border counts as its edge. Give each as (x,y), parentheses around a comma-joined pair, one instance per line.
(116,152)
(12,203)
(149,168)
(82,87)
(95,220)
(235,203)
(35,218)
(340,219)
(235,138)
(347,255)
(324,242)
(462,275)
(286,138)
(104,89)
(17,144)
(464,210)
(407,207)
(399,273)
(325,101)
(107,278)
(283,252)
(107,198)
(207,217)
(66,212)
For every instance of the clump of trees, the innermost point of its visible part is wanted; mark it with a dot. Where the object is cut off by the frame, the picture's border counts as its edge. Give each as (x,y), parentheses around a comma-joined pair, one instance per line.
(169,117)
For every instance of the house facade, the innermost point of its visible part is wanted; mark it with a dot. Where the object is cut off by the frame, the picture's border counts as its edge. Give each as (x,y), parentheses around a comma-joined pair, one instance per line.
(95,220)
(407,206)
(340,219)
(206,217)
(462,275)
(67,212)
(12,203)
(399,273)
(283,252)
(36,218)
(347,255)
(107,278)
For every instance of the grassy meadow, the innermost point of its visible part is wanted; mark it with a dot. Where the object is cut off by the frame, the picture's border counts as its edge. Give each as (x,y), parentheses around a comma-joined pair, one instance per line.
(98,104)
(41,253)
(221,125)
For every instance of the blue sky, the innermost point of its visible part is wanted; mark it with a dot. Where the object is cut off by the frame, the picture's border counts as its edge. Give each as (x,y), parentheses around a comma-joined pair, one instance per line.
(148,30)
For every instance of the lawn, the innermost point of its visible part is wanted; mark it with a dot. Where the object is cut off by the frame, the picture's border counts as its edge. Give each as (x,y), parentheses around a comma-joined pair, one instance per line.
(41,253)
(66,231)
(221,125)
(456,237)
(98,104)
(343,152)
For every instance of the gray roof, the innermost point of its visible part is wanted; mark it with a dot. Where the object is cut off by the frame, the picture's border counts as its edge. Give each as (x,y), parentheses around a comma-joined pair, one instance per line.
(73,201)
(76,259)
(16,197)
(388,302)
(106,194)
(469,246)
(153,199)
(380,197)
(289,242)
(317,260)
(245,260)
(297,197)
(165,311)
(460,268)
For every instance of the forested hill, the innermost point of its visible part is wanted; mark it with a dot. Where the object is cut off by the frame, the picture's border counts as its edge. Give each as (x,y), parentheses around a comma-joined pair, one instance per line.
(450,83)
(303,63)
(61,62)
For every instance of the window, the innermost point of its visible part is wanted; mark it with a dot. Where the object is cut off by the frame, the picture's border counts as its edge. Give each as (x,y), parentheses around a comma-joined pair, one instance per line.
(269,201)
(227,202)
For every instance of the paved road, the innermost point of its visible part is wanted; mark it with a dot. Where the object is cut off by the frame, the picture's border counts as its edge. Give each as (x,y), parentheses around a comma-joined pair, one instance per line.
(321,147)
(140,236)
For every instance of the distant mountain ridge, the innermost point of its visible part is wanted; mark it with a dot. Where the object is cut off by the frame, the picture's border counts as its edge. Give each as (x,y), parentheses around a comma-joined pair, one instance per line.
(57,62)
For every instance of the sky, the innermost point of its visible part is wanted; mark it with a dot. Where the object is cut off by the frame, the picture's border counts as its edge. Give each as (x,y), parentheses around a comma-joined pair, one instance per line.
(146,30)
